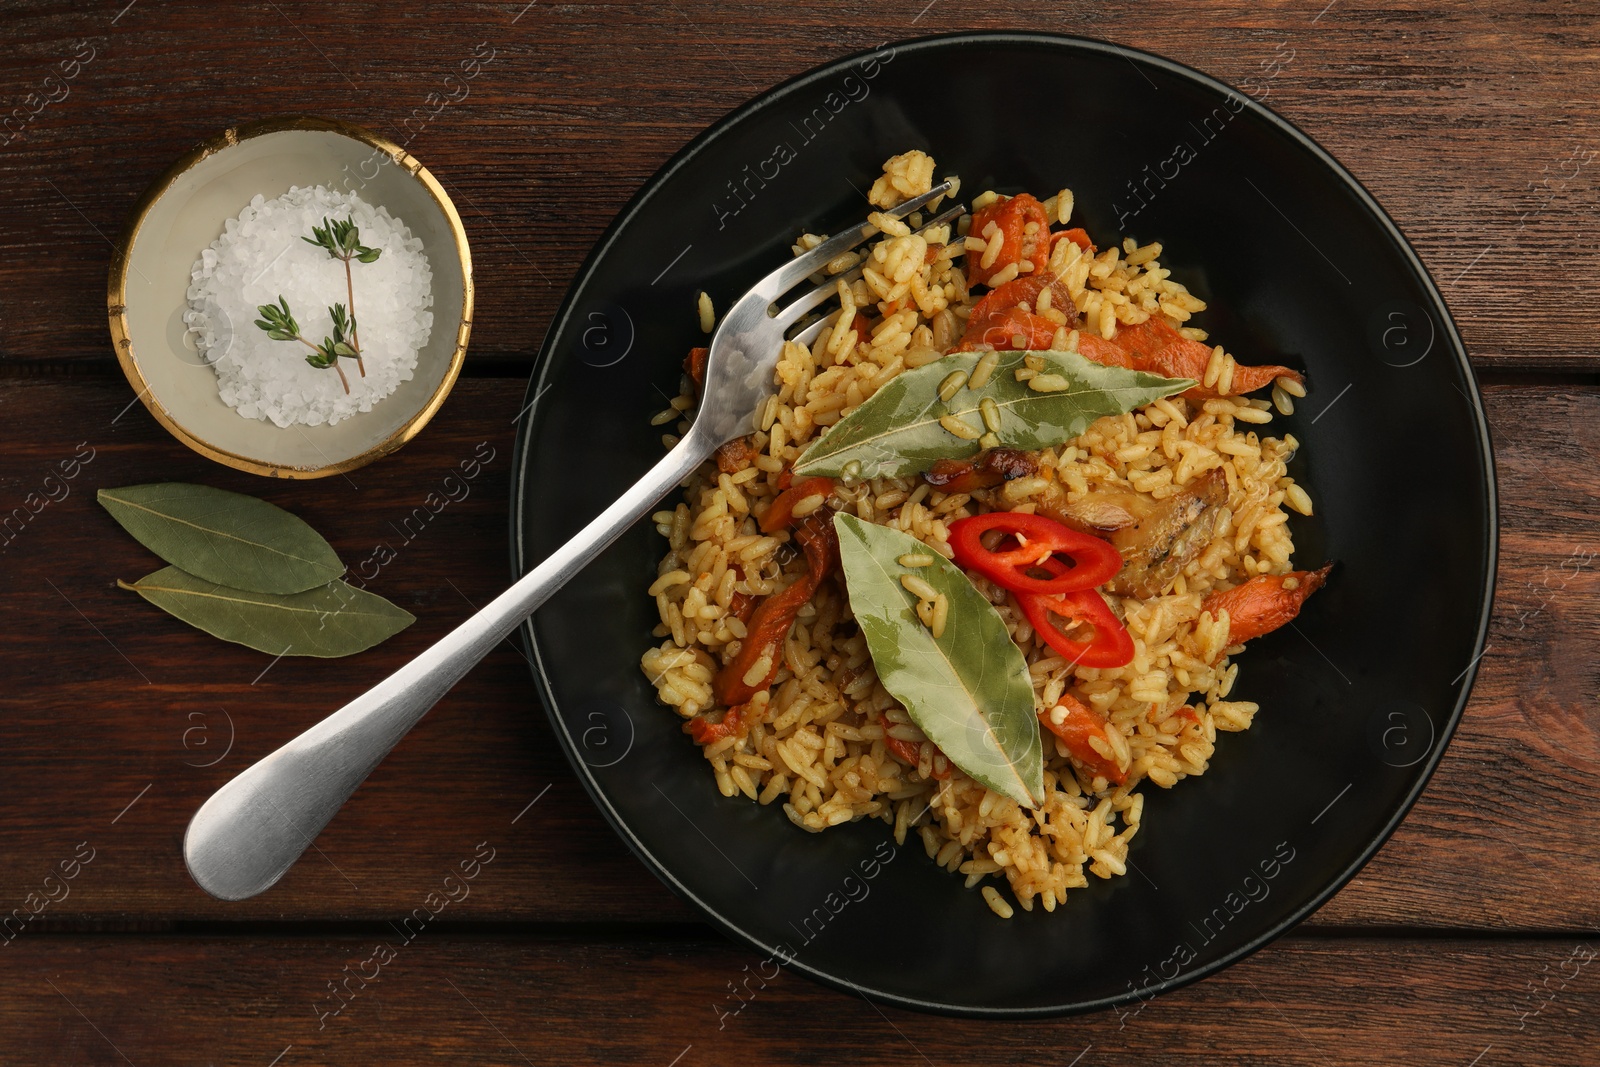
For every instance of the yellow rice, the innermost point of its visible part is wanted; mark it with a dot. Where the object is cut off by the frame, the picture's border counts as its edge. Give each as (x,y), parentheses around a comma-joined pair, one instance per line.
(816,744)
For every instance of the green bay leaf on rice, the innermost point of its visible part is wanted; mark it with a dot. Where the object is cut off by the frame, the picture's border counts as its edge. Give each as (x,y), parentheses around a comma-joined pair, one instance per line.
(896,431)
(331,620)
(968,689)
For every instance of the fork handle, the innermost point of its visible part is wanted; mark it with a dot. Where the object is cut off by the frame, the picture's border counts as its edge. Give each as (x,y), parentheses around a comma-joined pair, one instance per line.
(253,829)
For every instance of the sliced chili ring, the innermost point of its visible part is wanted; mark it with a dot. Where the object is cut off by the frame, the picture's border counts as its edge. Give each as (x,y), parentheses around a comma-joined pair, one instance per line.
(1111,645)
(1093,562)
(1087,566)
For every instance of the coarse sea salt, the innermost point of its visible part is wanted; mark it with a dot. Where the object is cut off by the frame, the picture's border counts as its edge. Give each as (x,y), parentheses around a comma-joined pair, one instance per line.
(260,257)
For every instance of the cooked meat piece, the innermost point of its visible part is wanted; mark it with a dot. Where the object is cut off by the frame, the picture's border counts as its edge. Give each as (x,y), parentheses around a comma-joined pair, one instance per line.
(1161,543)
(1099,514)
(736,455)
(988,468)
(1157,538)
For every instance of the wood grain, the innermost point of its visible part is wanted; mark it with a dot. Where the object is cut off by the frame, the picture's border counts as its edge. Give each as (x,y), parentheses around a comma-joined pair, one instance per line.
(1466,941)
(444,998)
(1470,125)
(106,697)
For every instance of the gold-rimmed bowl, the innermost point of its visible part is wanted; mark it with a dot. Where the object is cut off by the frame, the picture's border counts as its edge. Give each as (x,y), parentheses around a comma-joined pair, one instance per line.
(184,211)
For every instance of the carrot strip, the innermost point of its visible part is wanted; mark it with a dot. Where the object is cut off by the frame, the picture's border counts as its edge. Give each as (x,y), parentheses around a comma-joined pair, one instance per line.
(1000,322)
(1011,217)
(781,514)
(1075,730)
(1077,235)
(1265,602)
(911,753)
(775,615)
(704,731)
(694,365)
(1154,346)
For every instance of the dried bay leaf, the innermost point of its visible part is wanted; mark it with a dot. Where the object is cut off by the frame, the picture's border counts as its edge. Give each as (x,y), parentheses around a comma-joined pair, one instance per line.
(228,538)
(897,432)
(334,619)
(968,689)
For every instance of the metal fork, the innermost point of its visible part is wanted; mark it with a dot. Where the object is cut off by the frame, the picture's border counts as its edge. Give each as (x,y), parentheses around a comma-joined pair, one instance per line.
(253,829)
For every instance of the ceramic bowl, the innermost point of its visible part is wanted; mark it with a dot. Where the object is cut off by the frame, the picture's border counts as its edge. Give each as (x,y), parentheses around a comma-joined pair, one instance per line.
(184,211)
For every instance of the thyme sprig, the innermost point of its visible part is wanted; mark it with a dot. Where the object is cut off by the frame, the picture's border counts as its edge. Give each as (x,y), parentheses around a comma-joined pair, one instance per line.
(341,238)
(278,322)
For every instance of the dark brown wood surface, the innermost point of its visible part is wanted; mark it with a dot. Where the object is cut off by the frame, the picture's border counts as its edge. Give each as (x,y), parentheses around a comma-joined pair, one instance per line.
(1467,935)
(647,1000)
(1471,124)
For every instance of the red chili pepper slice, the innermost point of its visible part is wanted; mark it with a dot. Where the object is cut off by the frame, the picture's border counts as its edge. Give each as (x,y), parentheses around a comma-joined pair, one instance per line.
(1093,562)
(1110,646)
(781,514)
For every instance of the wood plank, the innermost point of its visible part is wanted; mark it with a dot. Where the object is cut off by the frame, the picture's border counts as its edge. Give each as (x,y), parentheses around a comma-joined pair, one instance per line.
(584,101)
(108,701)
(110,693)
(259,1000)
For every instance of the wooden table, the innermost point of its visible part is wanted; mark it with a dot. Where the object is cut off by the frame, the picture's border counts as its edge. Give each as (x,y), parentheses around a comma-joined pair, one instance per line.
(1466,941)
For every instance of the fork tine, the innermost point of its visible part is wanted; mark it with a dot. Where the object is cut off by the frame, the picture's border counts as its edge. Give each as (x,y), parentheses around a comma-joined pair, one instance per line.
(748,341)
(824,292)
(816,297)
(792,273)
(809,335)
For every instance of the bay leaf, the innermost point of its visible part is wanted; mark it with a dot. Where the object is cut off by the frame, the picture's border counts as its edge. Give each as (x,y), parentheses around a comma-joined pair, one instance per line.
(897,432)
(228,538)
(334,619)
(968,689)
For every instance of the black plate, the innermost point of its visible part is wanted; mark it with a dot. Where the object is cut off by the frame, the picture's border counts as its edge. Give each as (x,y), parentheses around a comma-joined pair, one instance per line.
(1300,265)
